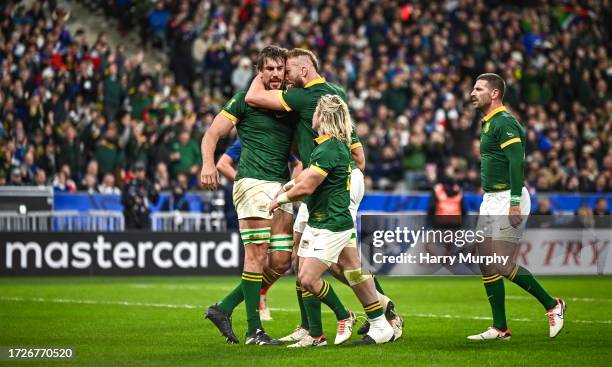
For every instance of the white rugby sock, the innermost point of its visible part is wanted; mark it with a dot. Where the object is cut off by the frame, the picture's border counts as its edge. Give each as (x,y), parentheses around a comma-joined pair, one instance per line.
(380,330)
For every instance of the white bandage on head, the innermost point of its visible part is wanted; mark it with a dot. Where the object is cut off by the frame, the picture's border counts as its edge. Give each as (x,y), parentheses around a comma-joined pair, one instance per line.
(356,276)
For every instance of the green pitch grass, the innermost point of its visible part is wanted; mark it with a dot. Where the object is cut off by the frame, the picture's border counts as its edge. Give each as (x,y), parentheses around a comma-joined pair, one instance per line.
(158,322)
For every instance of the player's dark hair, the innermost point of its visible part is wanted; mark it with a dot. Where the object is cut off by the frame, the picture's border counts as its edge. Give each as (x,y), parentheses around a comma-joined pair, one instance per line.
(271,52)
(296,52)
(495,82)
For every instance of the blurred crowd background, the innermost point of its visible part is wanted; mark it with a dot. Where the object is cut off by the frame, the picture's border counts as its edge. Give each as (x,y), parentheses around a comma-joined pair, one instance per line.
(90,116)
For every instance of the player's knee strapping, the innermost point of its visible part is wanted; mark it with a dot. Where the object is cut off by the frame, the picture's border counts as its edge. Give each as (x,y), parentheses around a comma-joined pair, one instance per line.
(356,276)
(256,236)
(281,242)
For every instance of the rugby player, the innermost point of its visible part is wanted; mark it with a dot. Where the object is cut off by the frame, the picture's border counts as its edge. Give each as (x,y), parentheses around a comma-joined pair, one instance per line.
(505,207)
(325,185)
(261,171)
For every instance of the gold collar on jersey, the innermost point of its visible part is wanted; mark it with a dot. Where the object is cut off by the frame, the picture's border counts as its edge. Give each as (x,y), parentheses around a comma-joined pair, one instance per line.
(499,109)
(320,80)
(322,139)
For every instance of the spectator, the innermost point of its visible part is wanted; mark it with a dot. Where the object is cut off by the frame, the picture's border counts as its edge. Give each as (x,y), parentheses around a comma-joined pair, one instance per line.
(179,191)
(90,184)
(108,185)
(414,160)
(544,207)
(158,24)
(242,75)
(162,178)
(389,169)
(136,198)
(601,207)
(185,155)
(61,183)
(16,178)
(112,92)
(108,153)
(40,180)
(70,152)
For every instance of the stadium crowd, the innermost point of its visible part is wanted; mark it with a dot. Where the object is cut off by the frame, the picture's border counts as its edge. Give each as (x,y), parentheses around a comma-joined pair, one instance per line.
(81,116)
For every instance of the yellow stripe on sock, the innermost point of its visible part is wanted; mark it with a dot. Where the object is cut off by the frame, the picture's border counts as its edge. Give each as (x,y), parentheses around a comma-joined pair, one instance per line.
(493,280)
(266,279)
(254,278)
(324,290)
(490,277)
(273,272)
(372,307)
(514,272)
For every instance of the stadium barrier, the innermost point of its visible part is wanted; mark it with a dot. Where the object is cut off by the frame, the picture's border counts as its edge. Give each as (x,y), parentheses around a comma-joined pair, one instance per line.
(415,202)
(62,220)
(188,222)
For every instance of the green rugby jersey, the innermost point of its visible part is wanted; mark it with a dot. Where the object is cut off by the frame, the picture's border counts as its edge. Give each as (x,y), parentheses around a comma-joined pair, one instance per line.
(502,153)
(265,136)
(304,102)
(328,206)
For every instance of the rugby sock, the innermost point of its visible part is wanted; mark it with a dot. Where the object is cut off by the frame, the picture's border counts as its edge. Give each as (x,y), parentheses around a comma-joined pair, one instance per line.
(377,284)
(232,300)
(312,306)
(264,289)
(373,310)
(303,314)
(236,296)
(494,285)
(524,279)
(251,285)
(269,277)
(329,297)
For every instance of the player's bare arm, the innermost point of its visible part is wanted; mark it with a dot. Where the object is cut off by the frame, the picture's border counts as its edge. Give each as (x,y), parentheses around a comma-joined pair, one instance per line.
(225,166)
(305,184)
(296,168)
(221,126)
(515,155)
(359,157)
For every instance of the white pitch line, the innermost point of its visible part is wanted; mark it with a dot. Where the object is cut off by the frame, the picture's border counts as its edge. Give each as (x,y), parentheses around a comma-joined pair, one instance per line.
(95,302)
(190,306)
(166,286)
(196,287)
(573,299)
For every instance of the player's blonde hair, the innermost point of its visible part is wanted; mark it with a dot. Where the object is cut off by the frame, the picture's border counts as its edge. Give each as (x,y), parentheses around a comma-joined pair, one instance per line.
(334,118)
